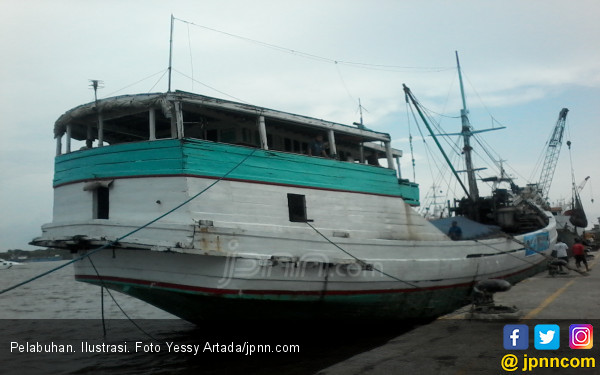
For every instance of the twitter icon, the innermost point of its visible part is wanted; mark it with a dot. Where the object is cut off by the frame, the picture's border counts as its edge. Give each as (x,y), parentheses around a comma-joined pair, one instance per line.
(547,336)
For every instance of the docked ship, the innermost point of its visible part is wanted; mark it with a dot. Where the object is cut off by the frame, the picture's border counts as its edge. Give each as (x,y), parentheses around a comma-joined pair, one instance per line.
(209,208)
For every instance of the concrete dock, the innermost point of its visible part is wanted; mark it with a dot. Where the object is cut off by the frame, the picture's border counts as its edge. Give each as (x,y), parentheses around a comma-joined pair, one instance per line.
(458,344)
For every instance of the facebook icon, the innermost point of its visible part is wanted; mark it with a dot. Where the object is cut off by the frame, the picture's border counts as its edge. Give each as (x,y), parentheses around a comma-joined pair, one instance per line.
(516,337)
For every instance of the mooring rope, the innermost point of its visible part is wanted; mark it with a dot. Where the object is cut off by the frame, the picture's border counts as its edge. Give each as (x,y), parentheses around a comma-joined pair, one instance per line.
(360,261)
(111,243)
(103,286)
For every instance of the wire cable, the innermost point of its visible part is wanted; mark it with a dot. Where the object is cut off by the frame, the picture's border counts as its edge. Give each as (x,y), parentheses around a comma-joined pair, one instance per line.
(141,80)
(337,68)
(210,87)
(360,261)
(395,68)
(191,60)
(159,79)
(111,243)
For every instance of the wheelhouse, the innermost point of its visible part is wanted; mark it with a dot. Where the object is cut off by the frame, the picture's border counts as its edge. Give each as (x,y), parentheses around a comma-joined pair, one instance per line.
(180,115)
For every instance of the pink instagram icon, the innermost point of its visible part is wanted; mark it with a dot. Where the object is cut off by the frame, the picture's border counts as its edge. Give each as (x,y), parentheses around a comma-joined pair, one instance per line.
(581,336)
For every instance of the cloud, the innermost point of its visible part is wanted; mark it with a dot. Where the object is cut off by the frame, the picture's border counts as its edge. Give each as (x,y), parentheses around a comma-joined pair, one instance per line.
(523,61)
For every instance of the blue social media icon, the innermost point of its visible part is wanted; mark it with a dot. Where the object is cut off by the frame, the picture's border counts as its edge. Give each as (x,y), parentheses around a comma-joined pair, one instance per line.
(546,336)
(516,337)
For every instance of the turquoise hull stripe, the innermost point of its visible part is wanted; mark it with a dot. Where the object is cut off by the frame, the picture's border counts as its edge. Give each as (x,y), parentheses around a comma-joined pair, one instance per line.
(367,297)
(194,303)
(194,306)
(208,159)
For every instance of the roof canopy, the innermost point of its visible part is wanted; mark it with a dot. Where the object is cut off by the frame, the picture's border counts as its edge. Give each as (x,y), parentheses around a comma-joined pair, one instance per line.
(83,116)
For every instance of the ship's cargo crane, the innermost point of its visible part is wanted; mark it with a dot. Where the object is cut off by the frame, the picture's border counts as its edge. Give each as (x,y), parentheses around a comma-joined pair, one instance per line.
(552,152)
(582,184)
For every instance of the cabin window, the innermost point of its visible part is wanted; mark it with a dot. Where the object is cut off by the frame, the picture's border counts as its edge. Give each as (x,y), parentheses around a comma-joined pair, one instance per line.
(101,203)
(163,130)
(287,145)
(212,135)
(246,136)
(297,207)
(228,136)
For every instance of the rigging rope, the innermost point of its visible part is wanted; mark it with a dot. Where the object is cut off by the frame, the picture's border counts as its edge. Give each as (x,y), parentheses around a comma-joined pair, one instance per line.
(574,183)
(191,60)
(410,141)
(391,68)
(111,243)
(212,88)
(360,261)
(158,80)
(164,71)
(432,158)
(491,158)
(337,68)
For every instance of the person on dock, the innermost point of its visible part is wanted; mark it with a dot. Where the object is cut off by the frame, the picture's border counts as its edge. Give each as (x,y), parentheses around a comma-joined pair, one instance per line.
(455,232)
(579,253)
(561,253)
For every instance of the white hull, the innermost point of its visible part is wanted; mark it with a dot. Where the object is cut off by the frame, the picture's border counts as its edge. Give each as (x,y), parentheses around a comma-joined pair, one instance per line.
(6,264)
(273,232)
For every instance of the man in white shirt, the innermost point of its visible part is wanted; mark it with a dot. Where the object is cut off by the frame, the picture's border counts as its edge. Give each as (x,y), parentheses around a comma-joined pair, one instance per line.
(561,252)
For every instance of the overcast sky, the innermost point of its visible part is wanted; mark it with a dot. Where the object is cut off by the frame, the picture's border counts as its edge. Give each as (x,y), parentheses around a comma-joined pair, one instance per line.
(522,60)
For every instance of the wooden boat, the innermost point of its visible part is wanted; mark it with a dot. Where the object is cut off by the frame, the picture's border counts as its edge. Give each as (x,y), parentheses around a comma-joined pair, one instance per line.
(250,226)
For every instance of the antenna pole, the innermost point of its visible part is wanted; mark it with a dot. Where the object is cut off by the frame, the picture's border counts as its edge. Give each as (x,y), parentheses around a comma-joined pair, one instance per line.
(96,84)
(360,109)
(171,52)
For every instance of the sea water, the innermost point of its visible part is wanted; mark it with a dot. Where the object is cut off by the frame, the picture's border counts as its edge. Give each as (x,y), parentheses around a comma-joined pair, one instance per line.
(57,325)
(58,296)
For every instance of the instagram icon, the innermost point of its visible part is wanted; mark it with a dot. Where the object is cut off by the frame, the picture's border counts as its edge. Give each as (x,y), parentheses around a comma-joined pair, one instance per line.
(581,336)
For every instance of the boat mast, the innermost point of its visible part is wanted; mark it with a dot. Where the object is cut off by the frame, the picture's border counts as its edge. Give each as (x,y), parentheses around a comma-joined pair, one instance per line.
(410,96)
(170,52)
(467,133)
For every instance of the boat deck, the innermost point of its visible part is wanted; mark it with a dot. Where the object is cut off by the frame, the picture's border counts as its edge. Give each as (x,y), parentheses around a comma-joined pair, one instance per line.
(471,230)
(457,344)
